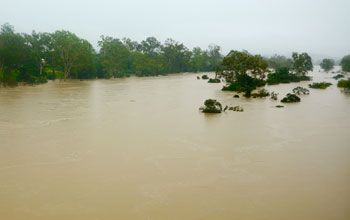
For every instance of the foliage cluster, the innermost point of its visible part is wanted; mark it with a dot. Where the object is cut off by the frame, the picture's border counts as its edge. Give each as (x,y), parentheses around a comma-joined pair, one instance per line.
(35,57)
(290,98)
(338,76)
(211,106)
(214,81)
(344,83)
(345,63)
(261,93)
(327,64)
(320,85)
(301,91)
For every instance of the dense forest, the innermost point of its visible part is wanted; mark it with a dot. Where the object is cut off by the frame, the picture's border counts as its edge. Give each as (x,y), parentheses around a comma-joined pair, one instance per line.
(37,57)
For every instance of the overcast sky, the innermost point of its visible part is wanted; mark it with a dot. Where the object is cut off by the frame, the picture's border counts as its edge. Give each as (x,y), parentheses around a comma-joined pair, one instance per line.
(319,27)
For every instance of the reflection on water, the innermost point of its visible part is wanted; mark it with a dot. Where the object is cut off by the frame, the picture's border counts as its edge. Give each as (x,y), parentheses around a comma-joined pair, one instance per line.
(138,148)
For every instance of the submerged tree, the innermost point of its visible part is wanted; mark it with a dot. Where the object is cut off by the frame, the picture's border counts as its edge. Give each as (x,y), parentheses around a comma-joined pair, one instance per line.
(242,71)
(70,49)
(327,64)
(238,63)
(302,63)
(345,63)
(12,51)
(277,62)
(176,56)
(114,56)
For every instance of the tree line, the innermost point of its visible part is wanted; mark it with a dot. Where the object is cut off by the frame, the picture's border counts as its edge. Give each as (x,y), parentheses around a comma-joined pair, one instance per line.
(37,57)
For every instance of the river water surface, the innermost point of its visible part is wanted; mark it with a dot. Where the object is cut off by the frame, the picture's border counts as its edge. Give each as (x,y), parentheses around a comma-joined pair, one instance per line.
(138,148)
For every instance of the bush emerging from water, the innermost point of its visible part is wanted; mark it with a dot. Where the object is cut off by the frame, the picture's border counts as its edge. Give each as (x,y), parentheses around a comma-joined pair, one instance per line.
(214,81)
(274,95)
(236,109)
(320,85)
(205,77)
(345,63)
(327,64)
(290,98)
(211,106)
(344,84)
(236,96)
(338,76)
(301,91)
(244,83)
(261,93)
(282,75)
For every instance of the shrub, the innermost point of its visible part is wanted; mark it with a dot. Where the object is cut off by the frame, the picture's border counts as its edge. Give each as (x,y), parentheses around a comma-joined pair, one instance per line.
(214,81)
(344,83)
(345,63)
(282,75)
(261,93)
(274,96)
(205,77)
(338,76)
(244,83)
(236,109)
(320,85)
(290,98)
(236,96)
(211,106)
(301,91)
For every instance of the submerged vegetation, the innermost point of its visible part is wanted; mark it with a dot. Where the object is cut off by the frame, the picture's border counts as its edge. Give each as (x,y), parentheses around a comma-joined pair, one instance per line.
(260,93)
(214,81)
(205,77)
(345,63)
(327,64)
(283,75)
(290,98)
(345,84)
(338,76)
(320,85)
(211,106)
(244,72)
(291,70)
(301,91)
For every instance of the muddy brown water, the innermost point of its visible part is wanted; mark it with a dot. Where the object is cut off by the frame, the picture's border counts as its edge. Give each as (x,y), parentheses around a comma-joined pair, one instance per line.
(138,148)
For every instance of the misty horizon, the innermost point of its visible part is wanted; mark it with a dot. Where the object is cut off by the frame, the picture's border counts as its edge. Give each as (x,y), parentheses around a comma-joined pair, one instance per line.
(266,28)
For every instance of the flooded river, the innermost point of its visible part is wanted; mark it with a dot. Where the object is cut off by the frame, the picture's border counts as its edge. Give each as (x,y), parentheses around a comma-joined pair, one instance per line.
(138,148)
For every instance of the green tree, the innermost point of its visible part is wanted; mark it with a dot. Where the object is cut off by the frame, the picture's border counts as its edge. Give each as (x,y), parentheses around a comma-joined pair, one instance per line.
(327,64)
(242,71)
(345,63)
(199,60)
(114,56)
(85,67)
(277,62)
(302,63)
(214,57)
(151,46)
(68,47)
(12,54)
(176,56)
(238,63)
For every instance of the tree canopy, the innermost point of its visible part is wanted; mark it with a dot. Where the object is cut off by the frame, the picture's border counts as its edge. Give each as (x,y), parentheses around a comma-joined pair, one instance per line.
(35,57)
(242,71)
(302,63)
(327,64)
(345,63)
